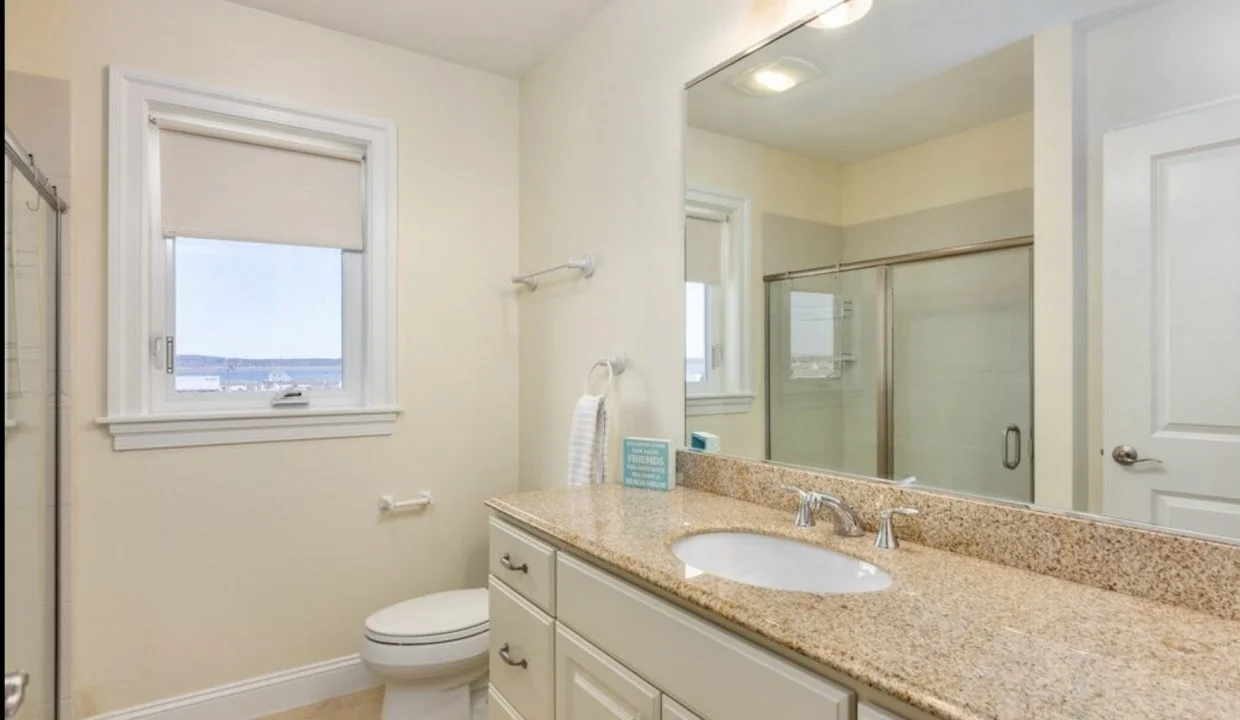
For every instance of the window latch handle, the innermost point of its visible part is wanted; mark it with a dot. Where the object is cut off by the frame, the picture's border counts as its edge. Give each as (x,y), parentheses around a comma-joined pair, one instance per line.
(290,398)
(163,353)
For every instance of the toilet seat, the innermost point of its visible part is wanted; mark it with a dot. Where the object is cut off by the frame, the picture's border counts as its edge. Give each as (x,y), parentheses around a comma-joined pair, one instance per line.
(435,619)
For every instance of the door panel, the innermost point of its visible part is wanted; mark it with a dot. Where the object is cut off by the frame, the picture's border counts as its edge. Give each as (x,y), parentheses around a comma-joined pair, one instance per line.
(30,399)
(961,373)
(673,710)
(822,371)
(1171,368)
(592,686)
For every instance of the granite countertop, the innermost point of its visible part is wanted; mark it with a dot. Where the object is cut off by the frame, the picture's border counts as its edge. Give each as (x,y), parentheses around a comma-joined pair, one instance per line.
(958,637)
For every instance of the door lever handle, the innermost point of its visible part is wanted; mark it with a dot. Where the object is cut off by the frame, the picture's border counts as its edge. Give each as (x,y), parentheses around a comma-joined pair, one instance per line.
(1128,456)
(14,693)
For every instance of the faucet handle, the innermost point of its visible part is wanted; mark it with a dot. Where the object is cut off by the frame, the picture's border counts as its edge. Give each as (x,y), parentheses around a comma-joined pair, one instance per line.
(886,539)
(808,502)
(823,498)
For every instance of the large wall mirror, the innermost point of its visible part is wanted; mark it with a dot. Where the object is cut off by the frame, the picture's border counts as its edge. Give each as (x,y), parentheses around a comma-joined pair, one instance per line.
(987,247)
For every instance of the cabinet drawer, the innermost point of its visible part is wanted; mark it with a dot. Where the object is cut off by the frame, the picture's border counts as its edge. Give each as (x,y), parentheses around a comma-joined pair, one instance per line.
(527,636)
(673,710)
(589,685)
(498,708)
(718,675)
(526,564)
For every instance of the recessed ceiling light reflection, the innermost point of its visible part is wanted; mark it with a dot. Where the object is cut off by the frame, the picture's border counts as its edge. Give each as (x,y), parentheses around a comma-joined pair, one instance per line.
(775,77)
(846,13)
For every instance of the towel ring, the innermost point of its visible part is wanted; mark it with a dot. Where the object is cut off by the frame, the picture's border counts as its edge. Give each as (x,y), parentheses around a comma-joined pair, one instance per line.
(615,364)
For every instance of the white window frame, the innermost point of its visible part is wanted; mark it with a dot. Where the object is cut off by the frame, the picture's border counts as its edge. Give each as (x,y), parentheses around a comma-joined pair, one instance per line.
(730,391)
(140,416)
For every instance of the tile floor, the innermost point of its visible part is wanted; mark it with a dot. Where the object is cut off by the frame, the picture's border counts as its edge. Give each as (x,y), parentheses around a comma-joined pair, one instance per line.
(364,705)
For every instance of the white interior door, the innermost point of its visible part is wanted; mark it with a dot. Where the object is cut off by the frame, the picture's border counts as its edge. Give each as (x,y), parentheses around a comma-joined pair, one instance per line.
(1171,330)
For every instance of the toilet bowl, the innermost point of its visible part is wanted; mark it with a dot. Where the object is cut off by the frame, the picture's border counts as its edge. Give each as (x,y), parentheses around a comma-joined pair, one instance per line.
(428,651)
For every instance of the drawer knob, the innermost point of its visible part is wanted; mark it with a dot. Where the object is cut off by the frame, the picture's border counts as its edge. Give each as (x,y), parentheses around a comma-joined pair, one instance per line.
(507,658)
(506,561)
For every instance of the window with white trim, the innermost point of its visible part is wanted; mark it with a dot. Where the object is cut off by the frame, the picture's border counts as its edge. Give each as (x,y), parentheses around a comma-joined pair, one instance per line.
(704,293)
(717,319)
(252,288)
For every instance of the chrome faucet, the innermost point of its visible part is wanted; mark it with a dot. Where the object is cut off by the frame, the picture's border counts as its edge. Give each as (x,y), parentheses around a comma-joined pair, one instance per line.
(843,518)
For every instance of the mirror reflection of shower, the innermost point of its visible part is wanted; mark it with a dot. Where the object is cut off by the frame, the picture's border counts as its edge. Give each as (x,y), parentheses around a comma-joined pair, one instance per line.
(913,365)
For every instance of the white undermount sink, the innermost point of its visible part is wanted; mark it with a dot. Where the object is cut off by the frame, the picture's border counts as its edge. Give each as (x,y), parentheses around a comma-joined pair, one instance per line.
(777,563)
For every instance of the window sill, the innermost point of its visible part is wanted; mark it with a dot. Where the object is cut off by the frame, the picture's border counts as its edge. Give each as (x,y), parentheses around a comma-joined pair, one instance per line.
(148,432)
(718,404)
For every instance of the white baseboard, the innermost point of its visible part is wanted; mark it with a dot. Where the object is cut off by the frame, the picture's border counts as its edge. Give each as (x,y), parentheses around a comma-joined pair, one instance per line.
(260,696)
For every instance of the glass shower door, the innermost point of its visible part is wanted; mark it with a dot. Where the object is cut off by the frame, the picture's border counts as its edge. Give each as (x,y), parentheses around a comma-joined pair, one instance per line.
(822,382)
(30,418)
(961,373)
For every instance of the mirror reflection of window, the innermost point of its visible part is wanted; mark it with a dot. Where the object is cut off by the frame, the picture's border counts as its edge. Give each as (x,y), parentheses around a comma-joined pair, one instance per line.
(704,304)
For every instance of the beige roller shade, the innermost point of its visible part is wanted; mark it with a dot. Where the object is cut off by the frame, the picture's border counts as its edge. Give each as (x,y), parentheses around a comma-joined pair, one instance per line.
(225,189)
(703,251)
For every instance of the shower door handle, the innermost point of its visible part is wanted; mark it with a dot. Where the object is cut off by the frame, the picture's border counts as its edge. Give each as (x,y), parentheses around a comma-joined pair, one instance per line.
(14,693)
(1012,431)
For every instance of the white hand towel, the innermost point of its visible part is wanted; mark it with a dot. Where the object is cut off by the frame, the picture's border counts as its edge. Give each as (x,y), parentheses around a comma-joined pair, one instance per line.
(588,441)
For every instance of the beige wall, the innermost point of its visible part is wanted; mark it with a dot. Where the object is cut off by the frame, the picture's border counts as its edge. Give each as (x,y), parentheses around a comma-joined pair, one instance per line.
(987,160)
(776,182)
(1058,271)
(196,567)
(635,180)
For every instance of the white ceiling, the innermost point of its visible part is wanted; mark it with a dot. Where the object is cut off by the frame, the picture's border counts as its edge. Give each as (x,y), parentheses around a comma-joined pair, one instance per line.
(501,36)
(910,71)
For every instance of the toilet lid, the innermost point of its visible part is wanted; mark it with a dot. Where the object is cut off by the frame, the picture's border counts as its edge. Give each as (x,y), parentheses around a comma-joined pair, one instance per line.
(441,617)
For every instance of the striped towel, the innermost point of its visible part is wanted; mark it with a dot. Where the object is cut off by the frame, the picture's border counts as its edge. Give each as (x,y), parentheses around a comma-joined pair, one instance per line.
(588,441)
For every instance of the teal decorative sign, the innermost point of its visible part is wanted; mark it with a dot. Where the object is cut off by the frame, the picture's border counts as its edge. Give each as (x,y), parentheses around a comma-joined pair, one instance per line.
(648,463)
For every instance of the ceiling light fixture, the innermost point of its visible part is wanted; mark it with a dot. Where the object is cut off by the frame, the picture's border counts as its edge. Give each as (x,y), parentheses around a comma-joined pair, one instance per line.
(775,80)
(775,77)
(846,13)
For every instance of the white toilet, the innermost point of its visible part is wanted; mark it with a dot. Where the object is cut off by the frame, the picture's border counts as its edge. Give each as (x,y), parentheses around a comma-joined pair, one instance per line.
(428,651)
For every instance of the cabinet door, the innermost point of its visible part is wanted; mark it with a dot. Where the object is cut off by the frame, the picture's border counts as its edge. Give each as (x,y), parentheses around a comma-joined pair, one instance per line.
(498,708)
(673,710)
(589,685)
(522,653)
(866,711)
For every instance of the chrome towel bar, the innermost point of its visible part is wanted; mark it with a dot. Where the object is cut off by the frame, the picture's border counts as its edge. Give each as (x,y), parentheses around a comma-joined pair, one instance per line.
(584,264)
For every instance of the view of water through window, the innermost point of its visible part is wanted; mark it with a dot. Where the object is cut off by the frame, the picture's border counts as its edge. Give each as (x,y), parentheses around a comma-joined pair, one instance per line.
(257,317)
(696,337)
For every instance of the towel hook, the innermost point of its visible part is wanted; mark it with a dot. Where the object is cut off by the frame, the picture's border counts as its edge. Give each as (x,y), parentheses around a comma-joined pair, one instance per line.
(615,364)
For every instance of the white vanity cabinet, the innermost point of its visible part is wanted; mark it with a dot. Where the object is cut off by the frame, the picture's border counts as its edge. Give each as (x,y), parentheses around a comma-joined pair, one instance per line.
(572,642)
(866,711)
(673,710)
